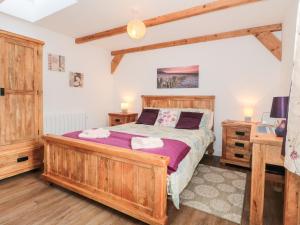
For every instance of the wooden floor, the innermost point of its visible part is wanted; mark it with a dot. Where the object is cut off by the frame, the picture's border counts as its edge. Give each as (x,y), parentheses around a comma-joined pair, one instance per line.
(26,200)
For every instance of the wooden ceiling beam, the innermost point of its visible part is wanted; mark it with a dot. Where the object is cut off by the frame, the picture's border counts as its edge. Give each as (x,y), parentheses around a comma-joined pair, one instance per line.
(167,18)
(218,36)
(271,42)
(115,62)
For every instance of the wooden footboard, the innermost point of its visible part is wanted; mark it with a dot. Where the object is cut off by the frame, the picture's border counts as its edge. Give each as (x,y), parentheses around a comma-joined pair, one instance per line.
(129,181)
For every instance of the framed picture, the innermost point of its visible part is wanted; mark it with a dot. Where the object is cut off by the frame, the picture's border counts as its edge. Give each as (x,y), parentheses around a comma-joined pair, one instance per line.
(56,63)
(178,77)
(76,79)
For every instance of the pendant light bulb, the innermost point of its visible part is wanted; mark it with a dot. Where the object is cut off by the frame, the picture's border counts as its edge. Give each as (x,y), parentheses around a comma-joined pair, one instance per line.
(136,29)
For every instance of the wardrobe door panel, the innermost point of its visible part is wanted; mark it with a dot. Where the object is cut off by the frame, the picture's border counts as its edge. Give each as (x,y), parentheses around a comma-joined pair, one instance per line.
(21,106)
(20,114)
(20,76)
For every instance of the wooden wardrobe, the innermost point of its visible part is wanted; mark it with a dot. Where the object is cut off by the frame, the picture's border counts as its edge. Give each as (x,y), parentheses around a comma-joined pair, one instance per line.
(20,104)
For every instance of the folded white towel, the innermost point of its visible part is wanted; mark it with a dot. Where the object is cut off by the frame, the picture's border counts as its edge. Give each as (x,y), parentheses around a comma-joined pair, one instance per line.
(95,133)
(146,142)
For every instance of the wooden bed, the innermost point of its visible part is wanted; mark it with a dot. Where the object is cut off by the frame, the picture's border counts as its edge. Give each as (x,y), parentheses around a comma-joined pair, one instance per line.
(132,182)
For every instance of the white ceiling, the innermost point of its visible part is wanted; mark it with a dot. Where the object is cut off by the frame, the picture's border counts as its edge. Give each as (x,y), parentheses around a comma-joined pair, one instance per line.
(89,16)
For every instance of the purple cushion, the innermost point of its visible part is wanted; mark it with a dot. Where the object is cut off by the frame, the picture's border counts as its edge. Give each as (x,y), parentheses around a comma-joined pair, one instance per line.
(148,116)
(189,120)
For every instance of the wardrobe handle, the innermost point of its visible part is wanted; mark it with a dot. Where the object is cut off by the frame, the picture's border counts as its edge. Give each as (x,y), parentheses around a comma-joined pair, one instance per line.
(2,91)
(22,159)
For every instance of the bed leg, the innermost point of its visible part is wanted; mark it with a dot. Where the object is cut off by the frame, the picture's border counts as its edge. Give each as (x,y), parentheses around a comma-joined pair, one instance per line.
(210,149)
(49,183)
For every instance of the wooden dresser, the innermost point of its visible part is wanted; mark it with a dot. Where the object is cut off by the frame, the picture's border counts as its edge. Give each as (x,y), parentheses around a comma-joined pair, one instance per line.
(20,104)
(236,146)
(121,118)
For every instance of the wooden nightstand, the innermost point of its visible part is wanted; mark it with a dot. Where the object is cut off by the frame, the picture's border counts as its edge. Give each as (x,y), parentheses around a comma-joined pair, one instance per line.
(121,118)
(236,146)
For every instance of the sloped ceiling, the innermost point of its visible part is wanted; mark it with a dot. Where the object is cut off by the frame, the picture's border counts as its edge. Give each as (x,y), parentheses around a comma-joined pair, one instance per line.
(90,16)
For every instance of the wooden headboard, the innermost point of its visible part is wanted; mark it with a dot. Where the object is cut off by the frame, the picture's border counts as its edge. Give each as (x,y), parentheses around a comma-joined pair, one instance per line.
(173,101)
(161,101)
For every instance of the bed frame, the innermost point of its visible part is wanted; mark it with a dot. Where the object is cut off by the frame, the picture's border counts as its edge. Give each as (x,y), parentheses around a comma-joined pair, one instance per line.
(132,182)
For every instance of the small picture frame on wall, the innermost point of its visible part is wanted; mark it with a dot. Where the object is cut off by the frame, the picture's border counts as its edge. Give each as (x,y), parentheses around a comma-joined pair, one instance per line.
(76,79)
(56,63)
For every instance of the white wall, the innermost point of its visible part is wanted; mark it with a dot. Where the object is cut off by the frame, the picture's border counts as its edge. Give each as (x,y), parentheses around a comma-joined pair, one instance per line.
(94,97)
(240,72)
(288,36)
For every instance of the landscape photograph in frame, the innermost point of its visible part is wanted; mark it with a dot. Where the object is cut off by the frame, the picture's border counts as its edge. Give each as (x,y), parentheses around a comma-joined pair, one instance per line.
(178,77)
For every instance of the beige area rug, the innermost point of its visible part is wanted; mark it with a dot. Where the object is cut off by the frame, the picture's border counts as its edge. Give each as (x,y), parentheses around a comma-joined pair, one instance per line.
(216,191)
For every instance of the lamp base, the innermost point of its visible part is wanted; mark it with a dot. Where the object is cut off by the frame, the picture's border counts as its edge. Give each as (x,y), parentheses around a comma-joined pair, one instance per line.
(248,119)
(280,131)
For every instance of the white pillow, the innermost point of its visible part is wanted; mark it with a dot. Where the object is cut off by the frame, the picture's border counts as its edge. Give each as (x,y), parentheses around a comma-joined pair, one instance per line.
(211,121)
(167,117)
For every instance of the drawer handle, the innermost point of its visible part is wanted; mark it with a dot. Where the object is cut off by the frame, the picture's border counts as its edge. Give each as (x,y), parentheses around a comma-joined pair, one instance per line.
(2,92)
(22,159)
(117,120)
(239,144)
(240,133)
(239,155)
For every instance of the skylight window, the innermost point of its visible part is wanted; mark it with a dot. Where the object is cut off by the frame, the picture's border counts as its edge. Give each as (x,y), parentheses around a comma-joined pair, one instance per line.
(33,10)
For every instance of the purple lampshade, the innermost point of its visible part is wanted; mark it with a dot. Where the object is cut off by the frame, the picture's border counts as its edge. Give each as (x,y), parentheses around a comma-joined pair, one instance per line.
(280,107)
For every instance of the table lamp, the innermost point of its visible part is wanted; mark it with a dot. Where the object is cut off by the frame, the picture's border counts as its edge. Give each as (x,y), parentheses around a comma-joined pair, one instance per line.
(248,113)
(280,109)
(124,107)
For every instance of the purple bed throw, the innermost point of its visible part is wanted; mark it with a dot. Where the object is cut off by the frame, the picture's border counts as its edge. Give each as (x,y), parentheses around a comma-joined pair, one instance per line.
(174,149)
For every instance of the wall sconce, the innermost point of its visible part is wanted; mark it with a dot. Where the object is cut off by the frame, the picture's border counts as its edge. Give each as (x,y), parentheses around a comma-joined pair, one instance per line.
(248,113)
(124,107)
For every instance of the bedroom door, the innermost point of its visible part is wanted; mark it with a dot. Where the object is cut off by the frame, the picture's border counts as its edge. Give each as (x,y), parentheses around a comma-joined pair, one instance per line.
(20,100)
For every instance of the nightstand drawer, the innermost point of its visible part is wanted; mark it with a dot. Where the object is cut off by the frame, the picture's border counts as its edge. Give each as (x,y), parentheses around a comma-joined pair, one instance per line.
(121,118)
(238,155)
(238,144)
(117,120)
(240,133)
